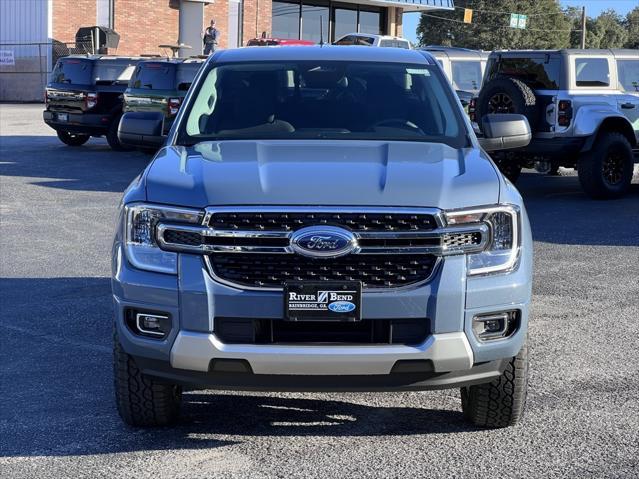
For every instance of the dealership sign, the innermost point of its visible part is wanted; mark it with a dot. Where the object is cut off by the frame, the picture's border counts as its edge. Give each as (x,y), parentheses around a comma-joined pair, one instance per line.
(6,58)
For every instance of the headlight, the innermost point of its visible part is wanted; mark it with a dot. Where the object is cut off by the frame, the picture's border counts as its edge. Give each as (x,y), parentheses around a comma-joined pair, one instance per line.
(142,249)
(502,251)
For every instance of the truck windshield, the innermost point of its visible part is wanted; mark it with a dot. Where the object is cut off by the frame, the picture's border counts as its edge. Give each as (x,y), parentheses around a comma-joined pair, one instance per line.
(327,100)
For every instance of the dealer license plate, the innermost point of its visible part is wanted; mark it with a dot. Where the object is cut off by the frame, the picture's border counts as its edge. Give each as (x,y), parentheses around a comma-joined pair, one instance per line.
(323,301)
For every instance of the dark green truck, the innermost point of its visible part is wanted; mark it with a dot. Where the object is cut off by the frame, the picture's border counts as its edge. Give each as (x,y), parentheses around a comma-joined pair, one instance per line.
(160,85)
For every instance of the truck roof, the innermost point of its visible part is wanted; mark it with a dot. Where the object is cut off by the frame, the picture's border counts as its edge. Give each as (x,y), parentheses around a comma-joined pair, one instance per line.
(106,57)
(324,52)
(464,53)
(571,51)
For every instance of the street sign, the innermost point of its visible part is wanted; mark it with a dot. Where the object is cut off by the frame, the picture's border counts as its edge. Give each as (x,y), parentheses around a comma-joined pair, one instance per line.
(522,21)
(518,21)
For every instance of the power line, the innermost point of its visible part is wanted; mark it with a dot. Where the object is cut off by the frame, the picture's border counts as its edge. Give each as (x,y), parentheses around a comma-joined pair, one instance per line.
(498,26)
(495,12)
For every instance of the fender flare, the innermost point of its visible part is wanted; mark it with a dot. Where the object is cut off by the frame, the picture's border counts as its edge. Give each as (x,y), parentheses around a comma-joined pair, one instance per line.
(590,120)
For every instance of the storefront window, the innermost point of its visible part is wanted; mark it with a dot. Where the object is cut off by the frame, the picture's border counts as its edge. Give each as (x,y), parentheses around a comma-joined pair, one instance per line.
(369,22)
(312,17)
(286,20)
(295,19)
(345,22)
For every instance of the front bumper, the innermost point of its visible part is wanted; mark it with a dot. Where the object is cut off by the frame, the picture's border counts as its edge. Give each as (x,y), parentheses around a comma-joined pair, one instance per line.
(192,355)
(445,352)
(233,377)
(81,123)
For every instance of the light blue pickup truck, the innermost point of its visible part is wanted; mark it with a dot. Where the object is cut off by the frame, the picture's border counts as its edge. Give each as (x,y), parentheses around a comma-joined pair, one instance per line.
(322,219)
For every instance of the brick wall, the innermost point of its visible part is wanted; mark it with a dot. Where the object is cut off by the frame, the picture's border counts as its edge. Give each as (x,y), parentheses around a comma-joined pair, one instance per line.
(69,15)
(257,18)
(144,24)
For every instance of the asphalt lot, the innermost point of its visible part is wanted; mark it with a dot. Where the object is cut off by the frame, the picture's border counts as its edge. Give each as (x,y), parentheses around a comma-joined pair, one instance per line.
(57,416)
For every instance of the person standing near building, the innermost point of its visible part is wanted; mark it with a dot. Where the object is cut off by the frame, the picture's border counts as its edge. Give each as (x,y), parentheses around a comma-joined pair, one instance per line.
(211,35)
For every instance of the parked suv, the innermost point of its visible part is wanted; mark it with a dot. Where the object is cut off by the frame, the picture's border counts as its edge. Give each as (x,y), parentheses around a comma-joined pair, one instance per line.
(160,85)
(583,108)
(464,68)
(322,219)
(84,97)
(370,40)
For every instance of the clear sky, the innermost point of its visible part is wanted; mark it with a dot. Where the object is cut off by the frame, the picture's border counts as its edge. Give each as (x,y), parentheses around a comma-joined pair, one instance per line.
(593,8)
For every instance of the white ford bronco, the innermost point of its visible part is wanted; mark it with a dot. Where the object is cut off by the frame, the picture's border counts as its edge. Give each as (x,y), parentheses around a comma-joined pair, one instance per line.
(583,108)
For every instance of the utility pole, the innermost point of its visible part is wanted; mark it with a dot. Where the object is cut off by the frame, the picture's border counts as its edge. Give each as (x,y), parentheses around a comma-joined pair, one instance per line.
(583,27)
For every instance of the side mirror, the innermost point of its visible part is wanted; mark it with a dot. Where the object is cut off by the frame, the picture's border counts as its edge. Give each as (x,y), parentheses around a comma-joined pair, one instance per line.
(503,131)
(141,129)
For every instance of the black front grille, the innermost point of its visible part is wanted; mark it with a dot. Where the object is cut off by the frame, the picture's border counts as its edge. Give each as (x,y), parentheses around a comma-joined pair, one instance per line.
(272,270)
(183,237)
(278,331)
(250,221)
(452,240)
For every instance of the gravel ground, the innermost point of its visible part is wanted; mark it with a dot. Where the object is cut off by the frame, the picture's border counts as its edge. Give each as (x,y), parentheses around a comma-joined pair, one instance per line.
(57,417)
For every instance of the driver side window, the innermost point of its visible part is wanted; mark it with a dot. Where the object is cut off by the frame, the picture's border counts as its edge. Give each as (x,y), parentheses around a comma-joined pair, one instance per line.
(592,72)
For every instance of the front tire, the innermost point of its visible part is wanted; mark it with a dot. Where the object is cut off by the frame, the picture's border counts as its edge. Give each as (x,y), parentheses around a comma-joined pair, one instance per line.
(501,402)
(509,165)
(72,139)
(605,172)
(142,401)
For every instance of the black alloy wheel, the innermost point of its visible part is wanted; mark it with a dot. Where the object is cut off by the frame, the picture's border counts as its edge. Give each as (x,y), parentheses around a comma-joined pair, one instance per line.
(613,167)
(501,103)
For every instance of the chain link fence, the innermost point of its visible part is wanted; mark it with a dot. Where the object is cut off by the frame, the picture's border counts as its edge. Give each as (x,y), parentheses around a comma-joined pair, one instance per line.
(25,67)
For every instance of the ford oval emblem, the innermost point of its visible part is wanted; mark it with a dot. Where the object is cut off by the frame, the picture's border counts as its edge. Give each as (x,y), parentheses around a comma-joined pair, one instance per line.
(341,307)
(323,241)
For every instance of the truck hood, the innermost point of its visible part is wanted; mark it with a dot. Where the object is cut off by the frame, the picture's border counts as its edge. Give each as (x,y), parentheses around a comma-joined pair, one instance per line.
(314,172)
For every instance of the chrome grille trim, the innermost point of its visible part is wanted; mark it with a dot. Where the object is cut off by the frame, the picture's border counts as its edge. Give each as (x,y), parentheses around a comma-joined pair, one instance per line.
(446,240)
(450,240)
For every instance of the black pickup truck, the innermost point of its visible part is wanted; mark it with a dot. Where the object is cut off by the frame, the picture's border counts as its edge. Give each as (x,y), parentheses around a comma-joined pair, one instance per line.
(85,97)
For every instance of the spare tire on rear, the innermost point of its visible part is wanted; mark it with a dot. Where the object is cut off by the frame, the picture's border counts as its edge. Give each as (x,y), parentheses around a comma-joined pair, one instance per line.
(508,95)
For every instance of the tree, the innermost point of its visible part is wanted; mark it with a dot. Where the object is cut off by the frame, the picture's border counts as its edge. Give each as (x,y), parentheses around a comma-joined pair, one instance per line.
(609,30)
(547,26)
(632,27)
